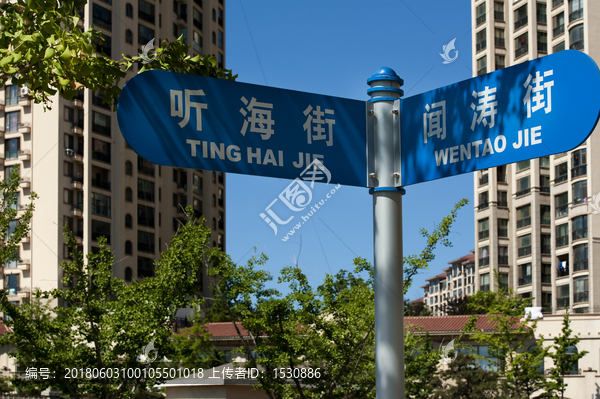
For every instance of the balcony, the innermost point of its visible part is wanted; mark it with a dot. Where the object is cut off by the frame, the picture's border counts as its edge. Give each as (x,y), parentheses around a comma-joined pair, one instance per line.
(24,127)
(575,15)
(523,222)
(579,265)
(545,190)
(484,179)
(520,22)
(24,264)
(484,234)
(583,296)
(562,303)
(181,20)
(503,259)
(77,182)
(77,156)
(25,155)
(503,203)
(562,241)
(499,16)
(558,30)
(484,288)
(26,238)
(25,182)
(523,192)
(101,156)
(578,171)
(1,105)
(562,210)
(77,211)
(483,205)
(499,42)
(524,251)
(580,234)
(561,178)
(77,129)
(24,101)
(546,279)
(524,280)
(100,183)
(181,188)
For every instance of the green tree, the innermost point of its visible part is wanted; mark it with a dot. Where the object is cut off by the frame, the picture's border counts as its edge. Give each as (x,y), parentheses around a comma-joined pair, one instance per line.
(464,379)
(422,362)
(564,360)
(192,346)
(329,328)
(43,47)
(105,322)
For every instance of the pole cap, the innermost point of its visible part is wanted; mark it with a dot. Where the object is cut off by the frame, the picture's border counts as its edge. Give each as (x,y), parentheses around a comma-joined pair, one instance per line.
(386,73)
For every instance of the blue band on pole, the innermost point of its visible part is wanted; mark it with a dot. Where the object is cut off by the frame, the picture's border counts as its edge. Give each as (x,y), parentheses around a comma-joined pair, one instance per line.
(374,100)
(391,189)
(385,88)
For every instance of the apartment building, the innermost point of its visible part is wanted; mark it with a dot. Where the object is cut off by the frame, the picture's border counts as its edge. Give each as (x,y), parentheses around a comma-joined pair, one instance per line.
(534,224)
(75,158)
(456,281)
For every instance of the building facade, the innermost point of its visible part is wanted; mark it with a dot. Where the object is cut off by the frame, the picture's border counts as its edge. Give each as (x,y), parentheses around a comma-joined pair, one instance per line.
(534,226)
(457,281)
(75,158)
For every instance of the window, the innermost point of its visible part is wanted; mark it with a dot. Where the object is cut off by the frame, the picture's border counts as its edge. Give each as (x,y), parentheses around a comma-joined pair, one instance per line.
(562,235)
(98,100)
(542,42)
(484,256)
(575,10)
(525,274)
(502,255)
(499,37)
(129,36)
(221,220)
(483,200)
(581,289)
(145,34)
(521,17)
(503,228)
(480,40)
(100,150)
(145,265)
(13,120)
(197,204)
(128,221)
(145,241)
(501,174)
(68,114)
(197,19)
(558,24)
(67,169)
(532,348)
(500,62)
(145,216)
(129,10)
(498,11)
(11,95)
(220,17)
(100,229)
(128,274)
(521,45)
(561,173)
(214,223)
(197,182)
(546,273)
(100,123)
(545,215)
(214,200)
(128,194)
(556,3)
(523,186)
(214,15)
(541,13)
(480,13)
(482,65)
(184,34)
(145,167)
(102,17)
(563,296)
(175,30)
(175,200)
(146,11)
(214,38)
(502,199)
(12,148)
(545,184)
(220,39)
(524,245)
(221,199)
(580,192)
(576,38)
(578,163)
(12,283)
(197,42)
(544,162)
(580,227)
(104,45)
(128,168)
(68,196)
(559,47)
(484,231)
(580,257)
(523,165)
(523,216)
(546,244)
(100,205)
(145,190)
(484,282)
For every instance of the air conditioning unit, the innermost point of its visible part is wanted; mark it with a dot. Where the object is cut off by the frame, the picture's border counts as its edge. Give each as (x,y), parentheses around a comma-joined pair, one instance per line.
(69,152)
(24,91)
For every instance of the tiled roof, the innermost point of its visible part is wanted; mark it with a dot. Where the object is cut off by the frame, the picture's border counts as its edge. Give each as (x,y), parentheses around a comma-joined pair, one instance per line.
(439,276)
(425,286)
(3,328)
(446,324)
(468,258)
(463,259)
(225,330)
(422,299)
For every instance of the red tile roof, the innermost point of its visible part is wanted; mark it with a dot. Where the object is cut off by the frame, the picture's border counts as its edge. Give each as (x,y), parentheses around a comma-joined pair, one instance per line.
(3,328)
(422,299)
(439,276)
(463,259)
(225,330)
(446,324)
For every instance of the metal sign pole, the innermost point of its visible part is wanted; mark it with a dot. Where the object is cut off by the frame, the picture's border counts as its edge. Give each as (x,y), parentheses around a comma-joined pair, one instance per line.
(387,233)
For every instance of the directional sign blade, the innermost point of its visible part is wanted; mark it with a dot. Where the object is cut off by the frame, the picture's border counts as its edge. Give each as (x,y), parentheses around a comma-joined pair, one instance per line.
(204,123)
(538,108)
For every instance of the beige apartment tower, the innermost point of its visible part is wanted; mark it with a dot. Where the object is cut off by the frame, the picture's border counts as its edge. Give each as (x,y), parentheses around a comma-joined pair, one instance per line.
(534,221)
(75,158)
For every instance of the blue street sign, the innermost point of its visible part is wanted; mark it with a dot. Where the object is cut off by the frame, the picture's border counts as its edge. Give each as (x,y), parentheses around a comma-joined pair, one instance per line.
(204,123)
(541,107)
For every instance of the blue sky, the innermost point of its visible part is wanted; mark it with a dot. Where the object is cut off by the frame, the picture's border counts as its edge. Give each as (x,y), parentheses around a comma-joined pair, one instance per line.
(332,47)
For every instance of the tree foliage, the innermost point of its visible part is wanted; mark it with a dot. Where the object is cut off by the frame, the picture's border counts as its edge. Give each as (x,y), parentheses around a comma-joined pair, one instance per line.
(463,379)
(43,47)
